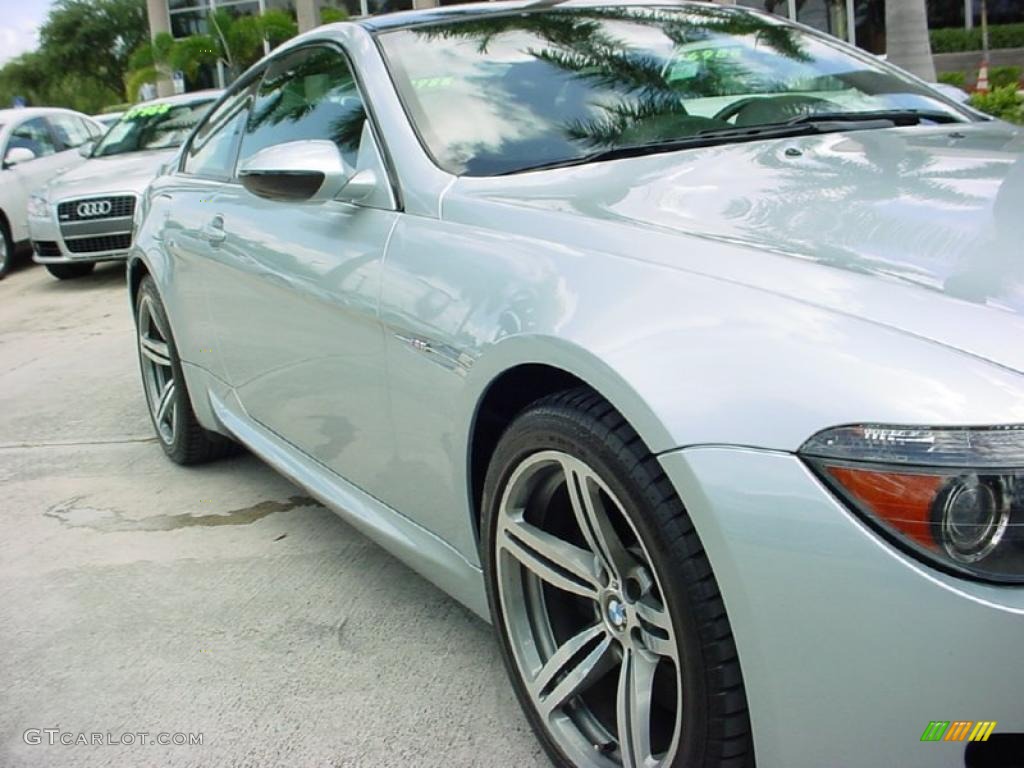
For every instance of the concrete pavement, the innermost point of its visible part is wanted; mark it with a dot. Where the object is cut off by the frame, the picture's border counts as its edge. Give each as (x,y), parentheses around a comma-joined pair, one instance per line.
(138,596)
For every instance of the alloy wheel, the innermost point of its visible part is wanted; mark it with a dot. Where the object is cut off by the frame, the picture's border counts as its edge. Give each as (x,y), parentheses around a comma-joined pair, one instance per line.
(585,616)
(157,370)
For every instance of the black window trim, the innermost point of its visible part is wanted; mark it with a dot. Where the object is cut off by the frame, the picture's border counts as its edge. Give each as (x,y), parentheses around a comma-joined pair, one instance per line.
(378,135)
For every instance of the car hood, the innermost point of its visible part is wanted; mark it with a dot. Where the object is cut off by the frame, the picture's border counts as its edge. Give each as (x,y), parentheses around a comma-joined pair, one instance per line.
(128,172)
(920,229)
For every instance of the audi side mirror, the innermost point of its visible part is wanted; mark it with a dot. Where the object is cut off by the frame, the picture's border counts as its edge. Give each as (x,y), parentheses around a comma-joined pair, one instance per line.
(305,171)
(18,155)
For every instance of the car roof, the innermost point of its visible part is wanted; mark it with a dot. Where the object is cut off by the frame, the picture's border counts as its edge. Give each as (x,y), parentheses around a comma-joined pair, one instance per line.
(403,19)
(18,113)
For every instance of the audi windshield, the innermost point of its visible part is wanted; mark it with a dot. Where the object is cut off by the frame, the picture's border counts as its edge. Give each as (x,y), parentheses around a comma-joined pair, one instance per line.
(152,126)
(564,86)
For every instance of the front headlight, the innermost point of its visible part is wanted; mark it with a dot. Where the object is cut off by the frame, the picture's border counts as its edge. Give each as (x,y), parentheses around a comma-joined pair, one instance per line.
(38,206)
(953,497)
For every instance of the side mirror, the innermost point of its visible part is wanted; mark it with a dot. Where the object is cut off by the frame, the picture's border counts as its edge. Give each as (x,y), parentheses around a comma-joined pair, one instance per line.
(305,171)
(85,150)
(16,155)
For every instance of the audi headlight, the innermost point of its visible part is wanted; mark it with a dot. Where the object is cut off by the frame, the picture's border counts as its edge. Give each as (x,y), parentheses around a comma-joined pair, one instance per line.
(38,206)
(953,497)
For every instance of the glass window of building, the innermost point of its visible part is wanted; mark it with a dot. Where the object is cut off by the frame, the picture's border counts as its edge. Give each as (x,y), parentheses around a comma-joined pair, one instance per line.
(826,15)
(869,20)
(780,7)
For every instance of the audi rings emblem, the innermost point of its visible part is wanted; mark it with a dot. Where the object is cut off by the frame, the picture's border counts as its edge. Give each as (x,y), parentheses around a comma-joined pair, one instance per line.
(92,208)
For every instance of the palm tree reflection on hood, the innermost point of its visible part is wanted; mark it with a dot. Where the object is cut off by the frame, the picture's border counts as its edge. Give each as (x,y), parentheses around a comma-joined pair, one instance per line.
(641,96)
(909,209)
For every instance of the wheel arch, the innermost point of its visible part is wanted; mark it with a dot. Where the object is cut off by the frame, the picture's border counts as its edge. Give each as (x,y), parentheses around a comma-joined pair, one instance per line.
(6,222)
(137,270)
(527,369)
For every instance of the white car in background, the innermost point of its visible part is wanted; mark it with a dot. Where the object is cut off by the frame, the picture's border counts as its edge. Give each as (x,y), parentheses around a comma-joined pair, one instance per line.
(36,144)
(85,216)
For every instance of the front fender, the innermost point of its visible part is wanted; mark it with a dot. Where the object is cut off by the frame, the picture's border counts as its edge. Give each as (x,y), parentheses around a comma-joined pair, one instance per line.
(691,360)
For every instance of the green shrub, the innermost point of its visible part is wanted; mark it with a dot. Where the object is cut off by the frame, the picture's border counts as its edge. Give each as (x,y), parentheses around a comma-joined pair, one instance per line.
(329,15)
(957,39)
(1002,76)
(959,79)
(1003,103)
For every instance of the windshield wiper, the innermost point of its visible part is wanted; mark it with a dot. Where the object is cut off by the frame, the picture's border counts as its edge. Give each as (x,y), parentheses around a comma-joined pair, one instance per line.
(709,139)
(804,125)
(898,117)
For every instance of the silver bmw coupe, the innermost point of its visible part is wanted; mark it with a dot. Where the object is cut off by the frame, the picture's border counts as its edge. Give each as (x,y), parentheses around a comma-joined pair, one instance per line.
(682,343)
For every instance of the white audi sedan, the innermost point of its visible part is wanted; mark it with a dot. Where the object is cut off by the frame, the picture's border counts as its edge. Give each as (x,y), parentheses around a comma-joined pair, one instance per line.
(36,144)
(683,344)
(85,216)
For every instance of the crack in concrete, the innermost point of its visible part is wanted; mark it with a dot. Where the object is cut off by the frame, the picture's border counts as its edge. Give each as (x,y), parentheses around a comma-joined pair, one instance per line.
(77,443)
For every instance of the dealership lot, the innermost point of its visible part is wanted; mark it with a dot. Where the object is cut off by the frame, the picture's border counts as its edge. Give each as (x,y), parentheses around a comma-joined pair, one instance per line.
(138,596)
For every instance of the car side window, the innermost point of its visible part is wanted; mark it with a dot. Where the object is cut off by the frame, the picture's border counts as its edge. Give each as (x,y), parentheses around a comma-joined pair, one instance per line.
(35,135)
(91,128)
(211,152)
(308,94)
(70,131)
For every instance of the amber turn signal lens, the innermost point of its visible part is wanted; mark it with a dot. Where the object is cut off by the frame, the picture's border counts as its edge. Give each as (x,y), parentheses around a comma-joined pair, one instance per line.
(903,501)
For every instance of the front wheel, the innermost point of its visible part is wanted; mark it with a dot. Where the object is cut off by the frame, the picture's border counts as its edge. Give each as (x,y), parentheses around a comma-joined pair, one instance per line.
(70,271)
(608,616)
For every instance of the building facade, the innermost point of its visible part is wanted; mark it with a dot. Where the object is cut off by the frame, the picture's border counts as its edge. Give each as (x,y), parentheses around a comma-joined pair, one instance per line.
(862,22)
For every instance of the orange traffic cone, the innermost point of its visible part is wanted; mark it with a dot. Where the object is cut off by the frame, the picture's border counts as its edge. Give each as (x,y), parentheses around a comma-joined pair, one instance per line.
(982,84)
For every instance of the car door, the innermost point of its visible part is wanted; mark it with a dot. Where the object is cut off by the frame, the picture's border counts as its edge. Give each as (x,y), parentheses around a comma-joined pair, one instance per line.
(183,201)
(293,286)
(36,135)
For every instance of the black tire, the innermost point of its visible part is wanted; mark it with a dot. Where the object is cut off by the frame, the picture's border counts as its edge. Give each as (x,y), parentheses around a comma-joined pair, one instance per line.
(6,247)
(715,726)
(189,442)
(71,271)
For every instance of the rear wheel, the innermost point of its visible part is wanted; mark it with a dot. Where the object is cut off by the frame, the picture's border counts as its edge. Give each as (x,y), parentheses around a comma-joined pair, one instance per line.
(183,439)
(609,618)
(6,247)
(70,271)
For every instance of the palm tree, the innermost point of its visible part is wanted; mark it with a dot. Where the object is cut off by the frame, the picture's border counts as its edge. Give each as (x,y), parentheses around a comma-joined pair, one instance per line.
(234,42)
(908,44)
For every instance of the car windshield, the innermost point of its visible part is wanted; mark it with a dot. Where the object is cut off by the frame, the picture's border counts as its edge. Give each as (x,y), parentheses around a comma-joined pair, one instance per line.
(152,126)
(496,94)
